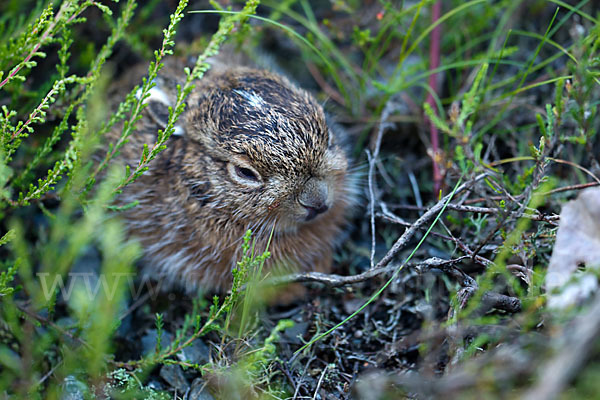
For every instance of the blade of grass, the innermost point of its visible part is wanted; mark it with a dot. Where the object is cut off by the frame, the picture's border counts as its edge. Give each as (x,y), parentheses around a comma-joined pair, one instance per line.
(576,9)
(528,70)
(425,34)
(291,32)
(434,62)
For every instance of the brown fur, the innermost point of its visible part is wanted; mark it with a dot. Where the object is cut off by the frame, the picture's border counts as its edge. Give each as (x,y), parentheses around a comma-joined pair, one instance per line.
(194,206)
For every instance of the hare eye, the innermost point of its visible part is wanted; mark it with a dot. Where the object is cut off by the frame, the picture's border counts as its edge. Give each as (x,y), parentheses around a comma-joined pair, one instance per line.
(246,173)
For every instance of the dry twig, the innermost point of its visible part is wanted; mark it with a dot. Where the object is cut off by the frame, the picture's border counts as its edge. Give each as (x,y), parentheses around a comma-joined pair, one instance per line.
(390,107)
(381,267)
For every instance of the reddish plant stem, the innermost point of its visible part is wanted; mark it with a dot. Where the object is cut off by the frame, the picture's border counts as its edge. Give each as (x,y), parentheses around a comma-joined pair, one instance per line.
(47,34)
(434,62)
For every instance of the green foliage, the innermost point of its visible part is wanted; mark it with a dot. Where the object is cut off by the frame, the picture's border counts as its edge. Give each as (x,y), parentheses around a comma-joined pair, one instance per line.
(56,201)
(237,304)
(124,384)
(255,367)
(493,77)
(48,136)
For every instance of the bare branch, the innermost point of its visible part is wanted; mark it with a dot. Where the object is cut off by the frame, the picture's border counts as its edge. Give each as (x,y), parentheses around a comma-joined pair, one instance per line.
(334,280)
(429,214)
(390,107)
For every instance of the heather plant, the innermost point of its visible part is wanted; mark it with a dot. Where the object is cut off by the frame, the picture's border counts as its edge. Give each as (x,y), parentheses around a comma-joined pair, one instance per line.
(52,123)
(436,290)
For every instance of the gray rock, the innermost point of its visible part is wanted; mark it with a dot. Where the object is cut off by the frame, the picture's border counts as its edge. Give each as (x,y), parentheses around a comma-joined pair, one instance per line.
(198,391)
(173,375)
(149,340)
(155,385)
(294,334)
(197,353)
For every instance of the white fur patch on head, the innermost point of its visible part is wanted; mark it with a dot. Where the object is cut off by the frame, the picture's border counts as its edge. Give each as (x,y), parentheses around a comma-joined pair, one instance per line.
(178,131)
(158,95)
(254,100)
(155,94)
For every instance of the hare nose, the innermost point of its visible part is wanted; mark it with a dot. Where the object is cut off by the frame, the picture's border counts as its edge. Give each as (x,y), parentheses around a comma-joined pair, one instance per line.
(314,198)
(313,212)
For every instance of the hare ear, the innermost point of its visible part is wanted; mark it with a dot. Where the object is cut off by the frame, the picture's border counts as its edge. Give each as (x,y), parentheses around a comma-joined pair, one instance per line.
(157,104)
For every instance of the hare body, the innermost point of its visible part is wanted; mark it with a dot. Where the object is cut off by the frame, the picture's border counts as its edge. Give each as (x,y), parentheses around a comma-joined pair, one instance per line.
(251,151)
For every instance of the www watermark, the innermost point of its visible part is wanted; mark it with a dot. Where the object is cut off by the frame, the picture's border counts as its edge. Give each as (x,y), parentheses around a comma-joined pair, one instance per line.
(94,285)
